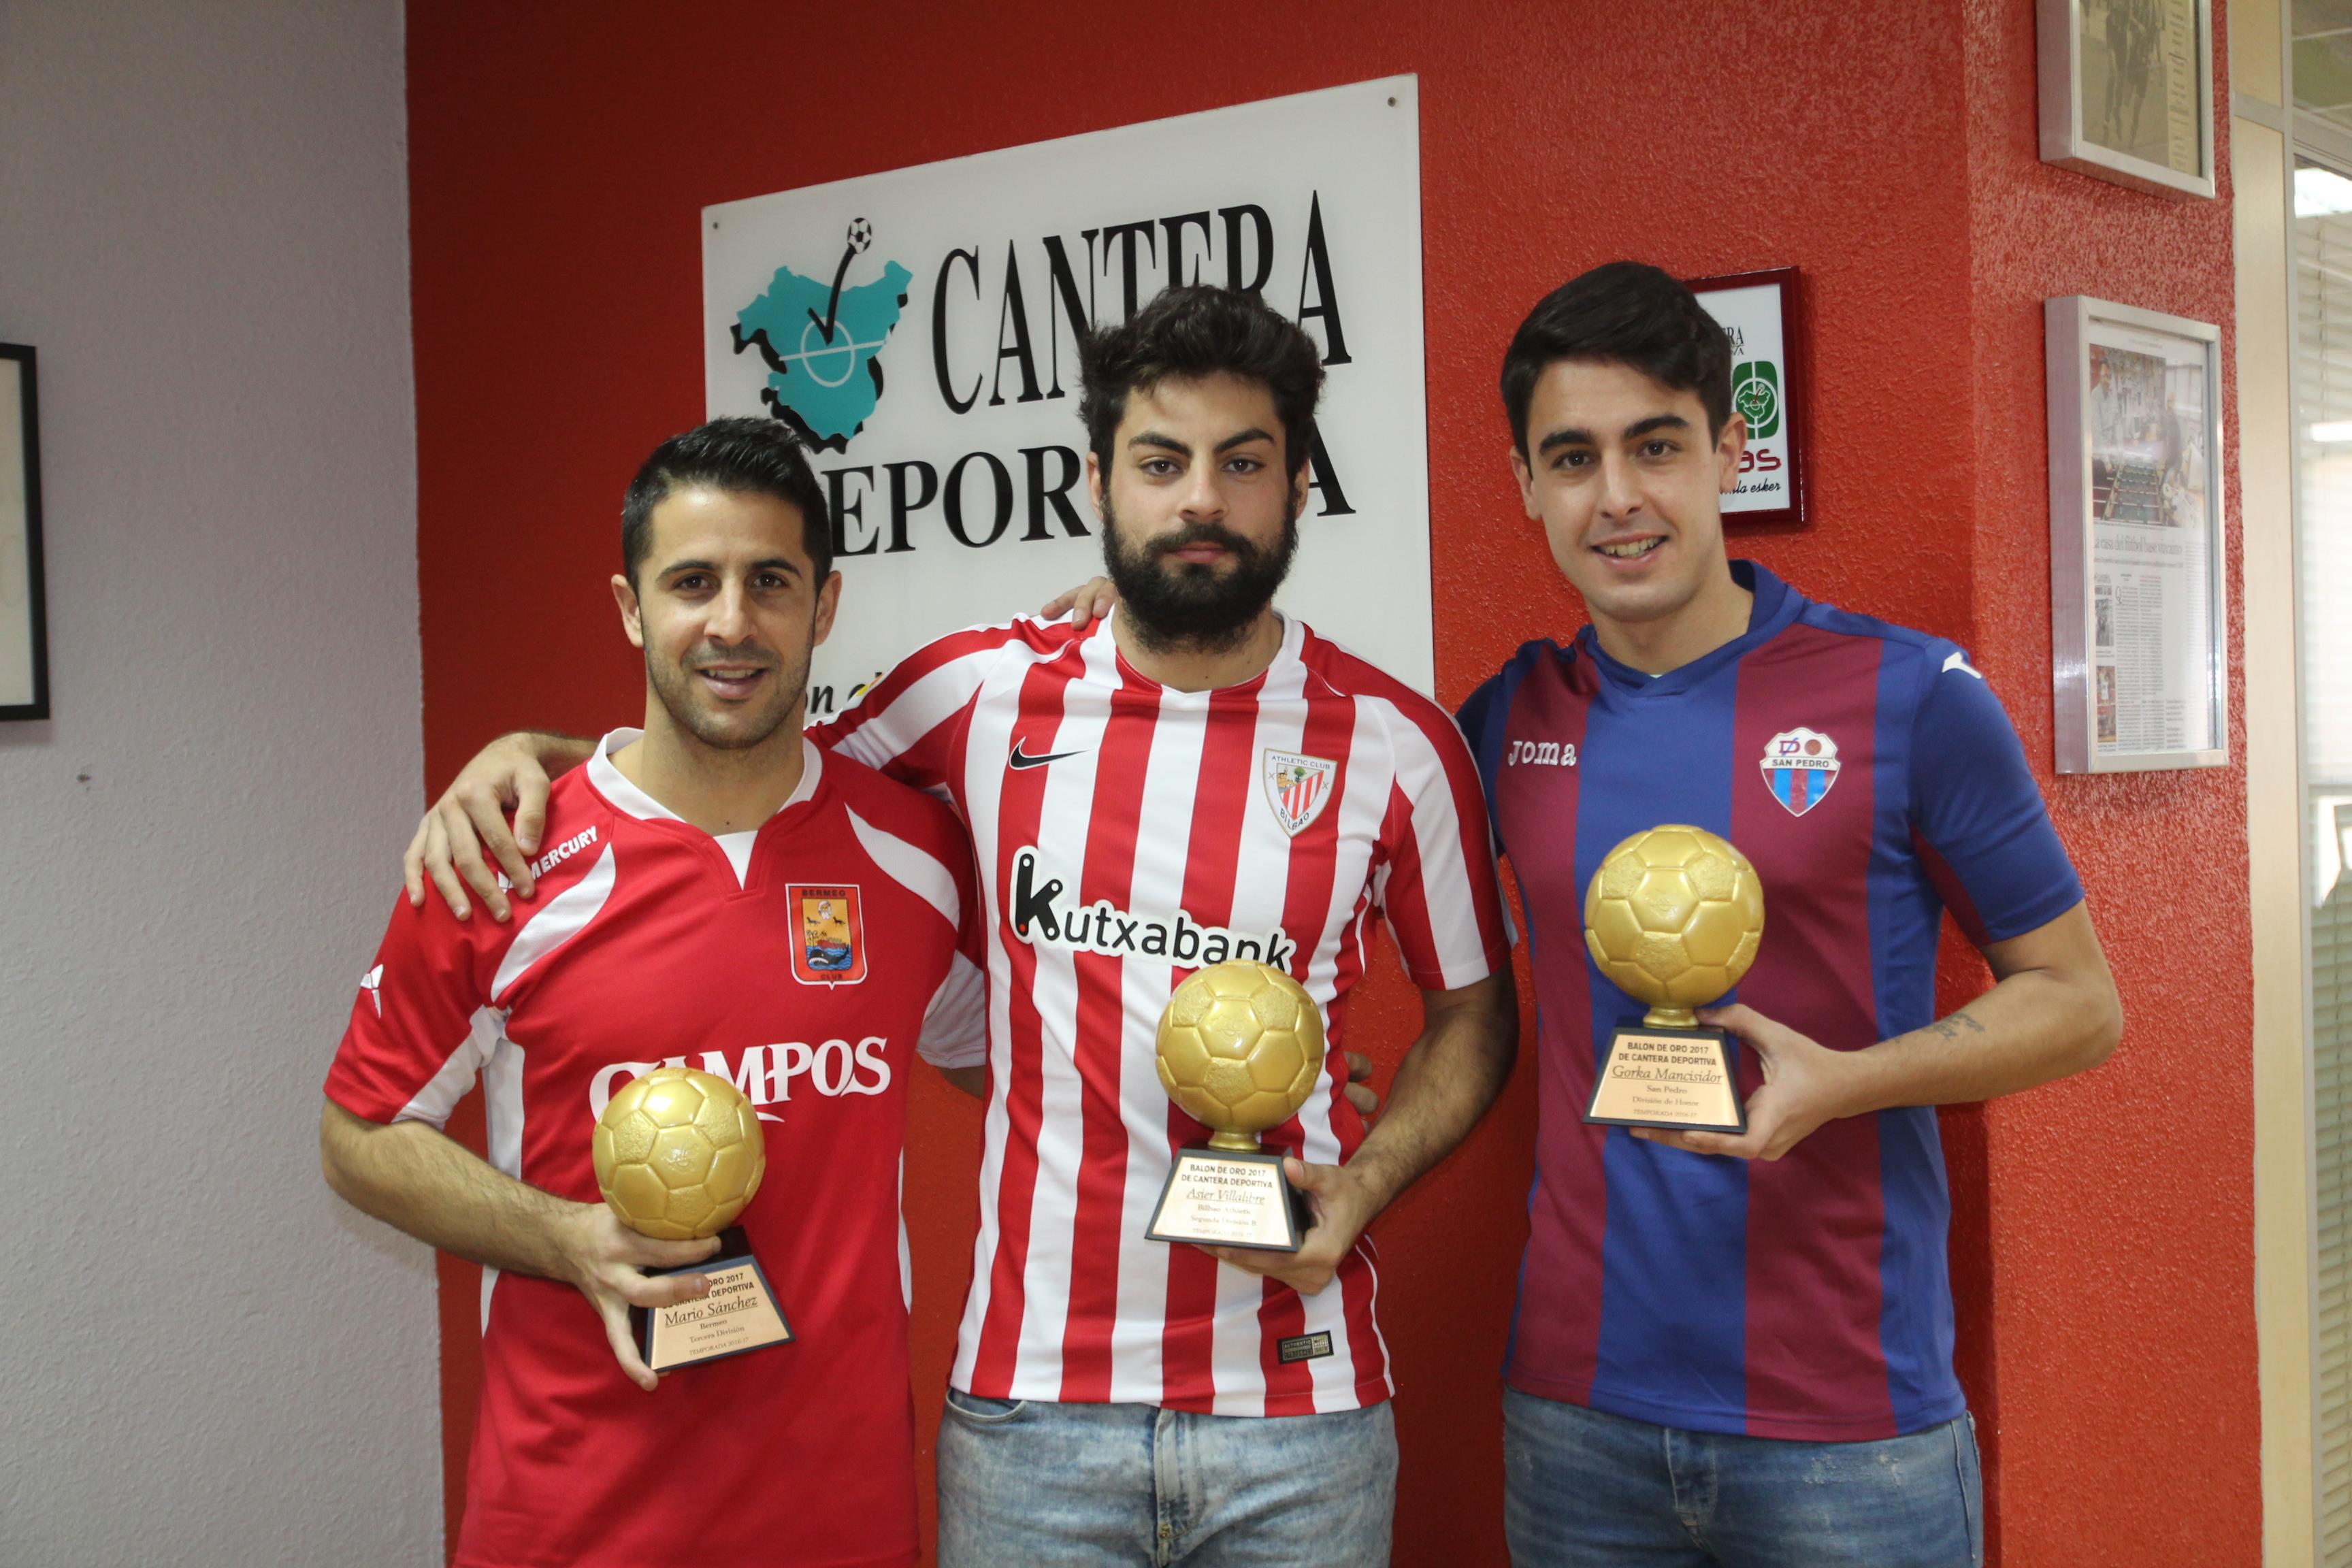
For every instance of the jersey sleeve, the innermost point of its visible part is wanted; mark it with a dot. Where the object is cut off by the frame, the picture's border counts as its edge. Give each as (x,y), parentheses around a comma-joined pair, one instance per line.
(421,1027)
(1977,815)
(955,1025)
(1435,884)
(935,865)
(905,723)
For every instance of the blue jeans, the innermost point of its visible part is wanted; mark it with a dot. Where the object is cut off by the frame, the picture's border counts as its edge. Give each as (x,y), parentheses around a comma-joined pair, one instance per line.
(1585,1490)
(1093,1486)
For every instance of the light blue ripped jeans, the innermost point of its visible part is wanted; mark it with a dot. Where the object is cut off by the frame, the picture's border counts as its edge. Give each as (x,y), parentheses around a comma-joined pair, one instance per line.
(1134,1486)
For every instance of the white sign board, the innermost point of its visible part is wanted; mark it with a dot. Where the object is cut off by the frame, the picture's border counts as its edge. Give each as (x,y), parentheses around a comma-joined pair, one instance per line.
(1753,308)
(918,328)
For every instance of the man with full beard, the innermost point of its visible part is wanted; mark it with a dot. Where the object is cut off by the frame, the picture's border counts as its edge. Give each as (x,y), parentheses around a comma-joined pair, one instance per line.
(1194,777)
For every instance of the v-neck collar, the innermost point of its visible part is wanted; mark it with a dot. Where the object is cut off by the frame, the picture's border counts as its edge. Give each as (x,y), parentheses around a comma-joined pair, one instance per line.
(1777,607)
(615,788)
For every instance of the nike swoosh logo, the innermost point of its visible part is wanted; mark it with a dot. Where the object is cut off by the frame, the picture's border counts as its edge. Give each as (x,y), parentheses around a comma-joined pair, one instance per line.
(1959,661)
(1021,759)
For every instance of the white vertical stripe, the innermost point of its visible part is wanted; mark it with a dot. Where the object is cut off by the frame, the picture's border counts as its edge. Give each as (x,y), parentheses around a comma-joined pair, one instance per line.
(433,1103)
(1370,778)
(502,1123)
(905,1253)
(987,740)
(1261,888)
(1068,809)
(1436,827)
(1172,776)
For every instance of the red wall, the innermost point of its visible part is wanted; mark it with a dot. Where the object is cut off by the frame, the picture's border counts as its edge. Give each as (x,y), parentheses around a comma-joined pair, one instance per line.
(2102,1246)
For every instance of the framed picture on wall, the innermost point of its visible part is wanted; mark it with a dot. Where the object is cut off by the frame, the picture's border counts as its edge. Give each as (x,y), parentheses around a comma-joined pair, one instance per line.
(23,629)
(2139,626)
(1771,388)
(2127,90)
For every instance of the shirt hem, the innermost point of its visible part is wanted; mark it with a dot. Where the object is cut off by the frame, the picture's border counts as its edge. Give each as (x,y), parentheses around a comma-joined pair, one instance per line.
(1367,1392)
(1802,1428)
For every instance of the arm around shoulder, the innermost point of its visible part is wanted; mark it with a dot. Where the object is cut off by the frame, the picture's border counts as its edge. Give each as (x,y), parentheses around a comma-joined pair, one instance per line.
(512,773)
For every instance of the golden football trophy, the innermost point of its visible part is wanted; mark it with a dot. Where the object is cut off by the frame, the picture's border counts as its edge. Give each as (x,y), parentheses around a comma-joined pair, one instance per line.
(1672,919)
(678,1154)
(1240,1050)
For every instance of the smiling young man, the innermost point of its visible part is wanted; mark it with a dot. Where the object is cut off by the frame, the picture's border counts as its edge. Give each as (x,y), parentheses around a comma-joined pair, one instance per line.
(1737,1351)
(1114,1399)
(720,895)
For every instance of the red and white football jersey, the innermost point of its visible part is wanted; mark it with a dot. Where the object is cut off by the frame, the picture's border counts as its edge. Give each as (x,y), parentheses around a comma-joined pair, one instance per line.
(808,962)
(1127,835)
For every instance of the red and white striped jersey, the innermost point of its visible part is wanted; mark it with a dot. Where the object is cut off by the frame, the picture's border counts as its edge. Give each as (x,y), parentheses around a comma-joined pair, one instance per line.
(1125,834)
(808,961)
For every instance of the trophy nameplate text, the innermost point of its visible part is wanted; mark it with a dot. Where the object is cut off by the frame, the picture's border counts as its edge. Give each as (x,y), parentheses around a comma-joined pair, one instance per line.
(1240,1050)
(678,1154)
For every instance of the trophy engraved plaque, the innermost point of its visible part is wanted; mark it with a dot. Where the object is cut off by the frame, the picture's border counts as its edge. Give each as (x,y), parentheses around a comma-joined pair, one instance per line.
(1241,1047)
(1672,919)
(678,1153)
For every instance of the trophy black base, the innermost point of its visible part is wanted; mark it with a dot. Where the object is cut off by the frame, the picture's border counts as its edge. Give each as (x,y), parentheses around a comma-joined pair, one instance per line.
(1225,1197)
(1682,1080)
(740,1314)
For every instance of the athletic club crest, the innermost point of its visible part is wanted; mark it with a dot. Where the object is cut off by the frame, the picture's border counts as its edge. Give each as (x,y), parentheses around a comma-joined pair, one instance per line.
(1299,788)
(829,937)
(1800,766)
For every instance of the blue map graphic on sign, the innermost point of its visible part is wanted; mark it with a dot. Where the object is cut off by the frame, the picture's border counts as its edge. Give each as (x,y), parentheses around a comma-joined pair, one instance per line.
(820,346)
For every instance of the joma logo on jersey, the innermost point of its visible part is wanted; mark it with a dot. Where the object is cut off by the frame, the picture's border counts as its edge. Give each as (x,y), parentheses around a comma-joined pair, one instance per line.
(1040,919)
(765,1073)
(1542,753)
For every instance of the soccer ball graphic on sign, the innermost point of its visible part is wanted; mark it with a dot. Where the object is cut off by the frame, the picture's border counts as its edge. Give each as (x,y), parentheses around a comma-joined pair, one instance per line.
(1673,918)
(678,1153)
(1241,1046)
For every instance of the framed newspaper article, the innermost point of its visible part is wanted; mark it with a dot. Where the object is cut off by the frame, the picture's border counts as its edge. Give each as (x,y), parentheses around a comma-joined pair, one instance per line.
(2126,90)
(2139,625)
(24,636)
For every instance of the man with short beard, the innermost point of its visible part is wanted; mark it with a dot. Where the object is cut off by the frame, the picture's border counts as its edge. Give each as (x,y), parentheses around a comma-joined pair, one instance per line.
(713,885)
(1194,778)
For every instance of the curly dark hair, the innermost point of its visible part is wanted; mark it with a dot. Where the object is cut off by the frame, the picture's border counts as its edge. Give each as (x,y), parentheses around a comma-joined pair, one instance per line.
(1198,330)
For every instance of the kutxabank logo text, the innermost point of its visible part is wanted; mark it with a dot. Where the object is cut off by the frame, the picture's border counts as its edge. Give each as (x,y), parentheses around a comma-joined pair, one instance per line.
(821,343)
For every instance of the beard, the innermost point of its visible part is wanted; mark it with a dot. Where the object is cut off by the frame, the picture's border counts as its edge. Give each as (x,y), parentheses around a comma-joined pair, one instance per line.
(730,729)
(1187,603)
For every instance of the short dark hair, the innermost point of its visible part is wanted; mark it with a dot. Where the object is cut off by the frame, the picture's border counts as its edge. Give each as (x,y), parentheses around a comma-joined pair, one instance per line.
(741,455)
(1199,329)
(1628,314)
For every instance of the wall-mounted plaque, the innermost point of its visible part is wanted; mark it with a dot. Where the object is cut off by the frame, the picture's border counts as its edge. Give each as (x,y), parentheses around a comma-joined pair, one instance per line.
(1762,311)
(24,631)
(2139,623)
(2127,91)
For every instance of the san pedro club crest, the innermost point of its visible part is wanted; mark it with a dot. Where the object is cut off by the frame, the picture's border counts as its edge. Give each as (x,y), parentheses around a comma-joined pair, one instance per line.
(1799,766)
(1297,787)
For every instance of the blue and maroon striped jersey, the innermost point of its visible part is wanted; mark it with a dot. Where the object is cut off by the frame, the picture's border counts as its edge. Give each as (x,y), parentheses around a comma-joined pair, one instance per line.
(1875,780)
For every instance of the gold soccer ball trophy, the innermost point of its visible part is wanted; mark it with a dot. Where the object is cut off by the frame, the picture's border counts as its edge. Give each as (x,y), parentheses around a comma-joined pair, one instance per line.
(1241,1046)
(1673,918)
(678,1153)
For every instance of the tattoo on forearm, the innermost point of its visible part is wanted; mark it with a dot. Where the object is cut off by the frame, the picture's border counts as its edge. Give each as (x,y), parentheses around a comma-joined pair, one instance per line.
(1953,1028)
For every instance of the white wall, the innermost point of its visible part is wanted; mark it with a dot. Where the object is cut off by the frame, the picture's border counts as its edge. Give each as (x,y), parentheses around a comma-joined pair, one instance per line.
(203,1358)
